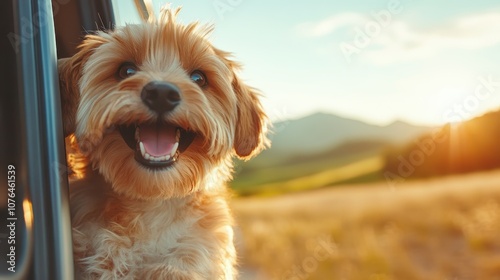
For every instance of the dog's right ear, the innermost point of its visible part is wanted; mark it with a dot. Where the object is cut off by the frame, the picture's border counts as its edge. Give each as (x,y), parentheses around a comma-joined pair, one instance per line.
(70,72)
(69,94)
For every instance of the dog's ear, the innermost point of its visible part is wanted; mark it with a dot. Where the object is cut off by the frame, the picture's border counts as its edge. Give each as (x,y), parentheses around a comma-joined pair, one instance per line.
(251,128)
(70,71)
(69,94)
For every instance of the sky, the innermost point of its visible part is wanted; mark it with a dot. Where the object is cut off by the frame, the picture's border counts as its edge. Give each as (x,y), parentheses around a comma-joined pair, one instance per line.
(425,62)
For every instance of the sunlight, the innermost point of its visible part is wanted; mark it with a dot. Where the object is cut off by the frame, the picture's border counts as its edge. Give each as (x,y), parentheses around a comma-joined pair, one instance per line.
(454,144)
(28,213)
(448,106)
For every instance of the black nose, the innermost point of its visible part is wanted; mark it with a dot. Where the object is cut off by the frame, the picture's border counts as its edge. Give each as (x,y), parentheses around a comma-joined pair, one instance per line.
(160,97)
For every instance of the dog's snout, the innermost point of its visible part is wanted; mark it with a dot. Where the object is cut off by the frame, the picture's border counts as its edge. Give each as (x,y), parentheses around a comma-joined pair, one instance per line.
(161,97)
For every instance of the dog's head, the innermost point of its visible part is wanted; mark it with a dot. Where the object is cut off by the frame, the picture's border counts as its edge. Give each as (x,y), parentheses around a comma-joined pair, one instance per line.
(157,109)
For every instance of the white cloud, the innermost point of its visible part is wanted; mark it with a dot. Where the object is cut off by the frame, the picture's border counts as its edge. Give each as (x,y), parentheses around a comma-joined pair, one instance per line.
(329,25)
(402,41)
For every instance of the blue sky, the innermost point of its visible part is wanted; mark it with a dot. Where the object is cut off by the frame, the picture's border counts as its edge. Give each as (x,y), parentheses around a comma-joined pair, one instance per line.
(425,62)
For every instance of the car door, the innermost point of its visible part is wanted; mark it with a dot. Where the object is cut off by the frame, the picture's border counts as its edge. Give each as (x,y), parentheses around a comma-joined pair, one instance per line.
(35,228)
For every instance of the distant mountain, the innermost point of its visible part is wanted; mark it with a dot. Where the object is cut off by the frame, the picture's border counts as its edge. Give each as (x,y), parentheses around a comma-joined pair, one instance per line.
(320,142)
(320,131)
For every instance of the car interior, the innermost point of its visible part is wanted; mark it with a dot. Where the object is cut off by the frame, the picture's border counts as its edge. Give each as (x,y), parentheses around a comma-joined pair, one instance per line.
(36,243)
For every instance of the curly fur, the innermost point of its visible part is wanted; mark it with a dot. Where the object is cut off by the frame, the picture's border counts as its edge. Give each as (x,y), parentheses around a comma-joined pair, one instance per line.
(133,222)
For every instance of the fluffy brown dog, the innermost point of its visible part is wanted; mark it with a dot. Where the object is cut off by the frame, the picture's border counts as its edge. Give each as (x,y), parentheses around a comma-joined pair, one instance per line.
(159,113)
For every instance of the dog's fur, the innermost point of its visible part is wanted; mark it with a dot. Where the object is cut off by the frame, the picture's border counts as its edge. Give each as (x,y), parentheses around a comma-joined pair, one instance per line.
(134,222)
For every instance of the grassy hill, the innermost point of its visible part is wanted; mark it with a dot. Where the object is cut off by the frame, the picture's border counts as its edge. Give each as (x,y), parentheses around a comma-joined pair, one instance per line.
(439,229)
(321,132)
(466,147)
(357,159)
(320,150)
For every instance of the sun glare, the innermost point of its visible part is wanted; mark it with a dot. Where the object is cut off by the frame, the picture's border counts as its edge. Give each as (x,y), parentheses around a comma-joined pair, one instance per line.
(448,106)
(28,213)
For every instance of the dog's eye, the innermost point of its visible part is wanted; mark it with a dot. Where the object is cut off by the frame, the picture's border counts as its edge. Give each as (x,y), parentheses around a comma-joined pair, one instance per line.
(126,70)
(199,78)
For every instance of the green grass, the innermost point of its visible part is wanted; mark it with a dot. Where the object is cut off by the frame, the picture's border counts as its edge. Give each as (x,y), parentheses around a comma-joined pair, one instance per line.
(368,177)
(291,179)
(350,163)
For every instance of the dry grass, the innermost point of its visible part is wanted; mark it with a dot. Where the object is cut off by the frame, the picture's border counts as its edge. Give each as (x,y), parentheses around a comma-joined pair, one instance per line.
(446,229)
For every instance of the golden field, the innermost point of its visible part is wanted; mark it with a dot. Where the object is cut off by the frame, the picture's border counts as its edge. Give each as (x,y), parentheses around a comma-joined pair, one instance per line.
(436,229)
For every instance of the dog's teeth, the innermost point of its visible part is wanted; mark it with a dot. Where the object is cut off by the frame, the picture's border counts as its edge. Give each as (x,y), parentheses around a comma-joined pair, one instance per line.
(174,149)
(137,136)
(167,157)
(147,156)
(143,150)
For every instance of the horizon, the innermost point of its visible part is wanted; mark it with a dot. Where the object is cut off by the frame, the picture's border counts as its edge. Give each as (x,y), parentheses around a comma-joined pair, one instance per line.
(334,114)
(410,122)
(423,63)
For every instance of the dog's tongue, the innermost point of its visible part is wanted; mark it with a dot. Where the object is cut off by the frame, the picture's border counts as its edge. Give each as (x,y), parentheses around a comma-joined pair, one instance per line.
(158,139)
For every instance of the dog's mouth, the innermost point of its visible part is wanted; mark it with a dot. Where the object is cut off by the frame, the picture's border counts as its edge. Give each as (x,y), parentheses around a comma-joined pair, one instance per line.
(156,145)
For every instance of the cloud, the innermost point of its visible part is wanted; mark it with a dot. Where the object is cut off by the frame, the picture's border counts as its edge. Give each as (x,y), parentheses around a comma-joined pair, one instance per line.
(329,25)
(404,41)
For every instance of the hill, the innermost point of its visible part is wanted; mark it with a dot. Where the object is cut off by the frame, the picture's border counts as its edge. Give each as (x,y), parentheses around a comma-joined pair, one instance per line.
(320,131)
(355,159)
(317,149)
(455,148)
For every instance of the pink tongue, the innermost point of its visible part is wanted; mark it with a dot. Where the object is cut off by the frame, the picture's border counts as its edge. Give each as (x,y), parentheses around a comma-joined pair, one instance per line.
(158,139)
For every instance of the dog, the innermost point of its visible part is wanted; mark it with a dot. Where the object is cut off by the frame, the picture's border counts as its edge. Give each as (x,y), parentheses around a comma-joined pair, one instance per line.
(159,113)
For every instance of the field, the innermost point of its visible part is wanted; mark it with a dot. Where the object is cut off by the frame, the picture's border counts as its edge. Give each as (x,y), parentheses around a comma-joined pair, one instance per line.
(359,162)
(442,229)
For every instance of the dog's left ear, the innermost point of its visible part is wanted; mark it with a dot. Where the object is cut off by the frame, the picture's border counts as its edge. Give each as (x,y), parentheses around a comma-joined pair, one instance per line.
(251,128)
(70,71)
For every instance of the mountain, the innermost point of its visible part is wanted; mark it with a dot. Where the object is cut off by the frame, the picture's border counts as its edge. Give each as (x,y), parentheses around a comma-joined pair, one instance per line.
(317,143)
(321,131)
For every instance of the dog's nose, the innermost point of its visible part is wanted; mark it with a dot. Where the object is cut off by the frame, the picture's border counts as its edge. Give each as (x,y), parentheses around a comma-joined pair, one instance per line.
(160,97)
